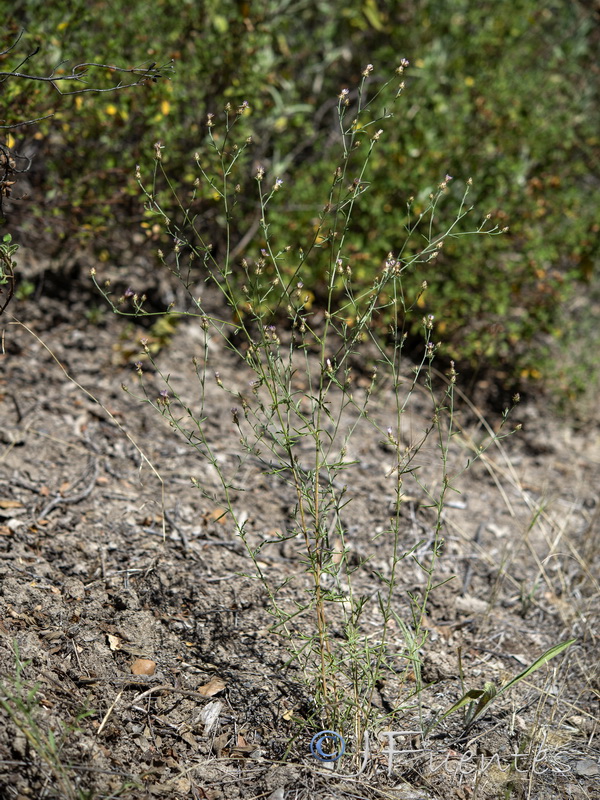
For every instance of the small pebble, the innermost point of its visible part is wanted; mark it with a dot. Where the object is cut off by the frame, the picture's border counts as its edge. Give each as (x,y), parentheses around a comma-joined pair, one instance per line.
(587,768)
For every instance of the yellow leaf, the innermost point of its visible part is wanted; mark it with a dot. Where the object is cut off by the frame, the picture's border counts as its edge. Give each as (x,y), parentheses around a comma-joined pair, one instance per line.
(165,107)
(62,25)
(78,101)
(307,300)
(10,140)
(111,109)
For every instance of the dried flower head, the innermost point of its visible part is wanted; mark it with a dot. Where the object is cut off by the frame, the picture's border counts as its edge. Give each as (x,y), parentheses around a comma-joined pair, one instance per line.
(392,265)
(403,65)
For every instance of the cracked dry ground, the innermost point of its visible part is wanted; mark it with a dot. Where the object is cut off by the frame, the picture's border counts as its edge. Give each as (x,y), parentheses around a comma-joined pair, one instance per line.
(91,583)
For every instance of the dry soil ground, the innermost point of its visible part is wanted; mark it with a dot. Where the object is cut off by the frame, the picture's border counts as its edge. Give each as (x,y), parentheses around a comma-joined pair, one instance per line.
(90,584)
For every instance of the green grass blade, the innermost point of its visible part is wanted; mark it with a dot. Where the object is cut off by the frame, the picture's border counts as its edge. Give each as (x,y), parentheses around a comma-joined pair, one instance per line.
(545,657)
(468,697)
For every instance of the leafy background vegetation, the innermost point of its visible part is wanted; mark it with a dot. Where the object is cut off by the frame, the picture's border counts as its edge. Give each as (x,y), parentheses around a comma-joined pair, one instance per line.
(503,93)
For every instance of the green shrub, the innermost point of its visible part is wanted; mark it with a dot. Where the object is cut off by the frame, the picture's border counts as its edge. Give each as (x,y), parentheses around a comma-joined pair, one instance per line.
(506,96)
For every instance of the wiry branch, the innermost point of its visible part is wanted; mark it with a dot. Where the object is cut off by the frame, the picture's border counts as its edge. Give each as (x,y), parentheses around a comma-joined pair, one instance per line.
(79,74)
(13,45)
(26,122)
(12,163)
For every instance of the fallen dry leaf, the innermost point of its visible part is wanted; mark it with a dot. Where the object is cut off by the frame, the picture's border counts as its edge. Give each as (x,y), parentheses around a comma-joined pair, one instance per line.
(214,686)
(241,751)
(209,715)
(10,504)
(219,743)
(113,642)
(143,666)
(189,738)
(216,515)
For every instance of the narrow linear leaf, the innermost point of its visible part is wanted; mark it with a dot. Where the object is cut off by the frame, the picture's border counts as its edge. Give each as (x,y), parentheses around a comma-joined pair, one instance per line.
(468,697)
(486,695)
(545,657)
(489,693)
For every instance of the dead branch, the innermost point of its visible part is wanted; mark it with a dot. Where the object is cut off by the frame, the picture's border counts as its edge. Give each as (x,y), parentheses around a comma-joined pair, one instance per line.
(80,74)
(12,163)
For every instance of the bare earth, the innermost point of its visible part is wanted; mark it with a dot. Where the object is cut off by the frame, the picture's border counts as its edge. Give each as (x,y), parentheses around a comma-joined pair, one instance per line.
(91,581)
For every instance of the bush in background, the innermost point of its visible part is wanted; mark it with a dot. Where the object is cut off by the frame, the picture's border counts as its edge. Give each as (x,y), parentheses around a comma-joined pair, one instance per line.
(504,94)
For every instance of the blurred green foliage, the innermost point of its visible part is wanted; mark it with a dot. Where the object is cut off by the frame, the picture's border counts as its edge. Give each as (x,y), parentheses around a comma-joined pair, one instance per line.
(503,92)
